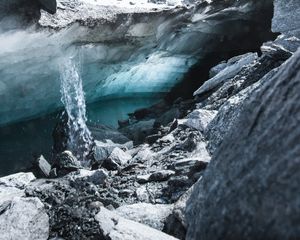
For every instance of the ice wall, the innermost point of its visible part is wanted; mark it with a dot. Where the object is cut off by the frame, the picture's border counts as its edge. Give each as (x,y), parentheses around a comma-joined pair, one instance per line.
(126,50)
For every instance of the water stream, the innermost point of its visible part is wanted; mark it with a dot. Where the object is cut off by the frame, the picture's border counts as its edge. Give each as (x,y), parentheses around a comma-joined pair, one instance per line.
(72,96)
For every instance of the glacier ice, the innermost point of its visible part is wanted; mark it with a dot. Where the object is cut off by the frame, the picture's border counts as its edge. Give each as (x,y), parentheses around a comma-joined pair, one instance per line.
(125,50)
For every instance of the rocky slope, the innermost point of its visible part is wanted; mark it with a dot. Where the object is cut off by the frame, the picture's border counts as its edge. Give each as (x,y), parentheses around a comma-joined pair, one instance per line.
(222,165)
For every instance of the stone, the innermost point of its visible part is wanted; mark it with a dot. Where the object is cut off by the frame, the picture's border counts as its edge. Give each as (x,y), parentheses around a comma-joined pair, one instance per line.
(115,227)
(44,168)
(161,175)
(120,157)
(49,5)
(24,218)
(152,215)
(96,177)
(227,73)
(249,190)
(102,150)
(65,163)
(198,119)
(17,180)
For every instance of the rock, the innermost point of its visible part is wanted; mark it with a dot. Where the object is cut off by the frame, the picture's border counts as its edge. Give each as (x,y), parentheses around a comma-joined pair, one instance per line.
(227,73)
(65,163)
(228,114)
(143,178)
(43,167)
(115,227)
(96,177)
(152,215)
(176,224)
(17,180)
(189,166)
(161,175)
(24,218)
(119,156)
(13,186)
(152,138)
(249,190)
(168,117)
(102,150)
(138,131)
(286,17)
(198,119)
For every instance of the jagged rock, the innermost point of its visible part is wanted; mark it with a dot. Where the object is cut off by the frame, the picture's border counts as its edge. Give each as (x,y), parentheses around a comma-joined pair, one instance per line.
(189,166)
(198,119)
(65,163)
(13,185)
(102,150)
(43,167)
(248,190)
(152,215)
(227,73)
(96,177)
(24,218)
(17,180)
(119,156)
(114,227)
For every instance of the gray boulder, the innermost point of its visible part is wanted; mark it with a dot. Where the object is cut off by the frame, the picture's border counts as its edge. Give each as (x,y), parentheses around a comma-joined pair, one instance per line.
(249,190)
(152,215)
(23,218)
(115,227)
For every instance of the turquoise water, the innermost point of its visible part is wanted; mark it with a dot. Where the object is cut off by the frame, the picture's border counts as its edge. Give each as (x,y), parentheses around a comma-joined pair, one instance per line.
(21,142)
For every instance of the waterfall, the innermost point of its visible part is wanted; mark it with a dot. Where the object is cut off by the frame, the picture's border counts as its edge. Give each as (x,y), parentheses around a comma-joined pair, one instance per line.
(72,96)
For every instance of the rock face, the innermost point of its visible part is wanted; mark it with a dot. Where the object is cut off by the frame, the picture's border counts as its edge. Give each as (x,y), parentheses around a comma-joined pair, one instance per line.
(251,183)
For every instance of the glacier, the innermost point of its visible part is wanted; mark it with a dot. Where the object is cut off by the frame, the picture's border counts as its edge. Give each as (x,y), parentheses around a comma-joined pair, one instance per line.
(126,48)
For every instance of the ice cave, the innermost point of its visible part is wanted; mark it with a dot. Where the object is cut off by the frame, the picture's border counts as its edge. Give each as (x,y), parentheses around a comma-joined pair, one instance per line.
(149,119)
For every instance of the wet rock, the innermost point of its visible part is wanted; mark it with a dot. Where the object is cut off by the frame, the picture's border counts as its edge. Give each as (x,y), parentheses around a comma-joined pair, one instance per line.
(168,117)
(24,218)
(65,163)
(115,227)
(248,190)
(189,166)
(152,138)
(152,215)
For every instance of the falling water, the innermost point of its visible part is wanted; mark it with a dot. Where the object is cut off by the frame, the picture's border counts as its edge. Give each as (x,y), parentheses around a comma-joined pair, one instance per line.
(79,136)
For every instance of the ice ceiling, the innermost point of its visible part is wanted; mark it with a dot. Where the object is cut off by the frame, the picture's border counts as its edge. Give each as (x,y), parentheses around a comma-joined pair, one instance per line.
(123,47)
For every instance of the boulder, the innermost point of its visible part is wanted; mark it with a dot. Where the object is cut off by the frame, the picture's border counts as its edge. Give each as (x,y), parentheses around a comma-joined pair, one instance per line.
(65,163)
(198,119)
(152,215)
(96,177)
(43,167)
(115,227)
(102,150)
(23,218)
(249,190)
(119,156)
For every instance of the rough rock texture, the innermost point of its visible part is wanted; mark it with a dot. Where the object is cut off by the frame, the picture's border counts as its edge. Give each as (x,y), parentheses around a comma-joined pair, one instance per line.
(23,218)
(153,215)
(286,17)
(115,227)
(249,190)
